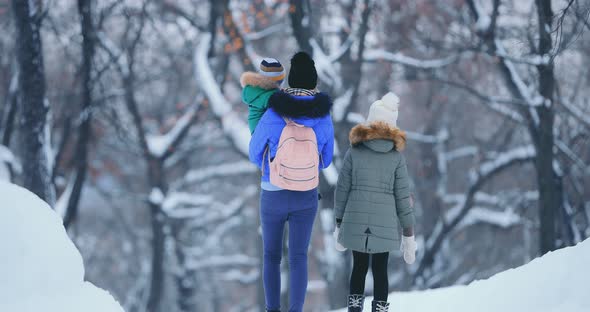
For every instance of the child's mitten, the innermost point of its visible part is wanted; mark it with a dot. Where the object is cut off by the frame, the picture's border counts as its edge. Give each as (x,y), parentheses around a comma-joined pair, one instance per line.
(408,247)
(336,235)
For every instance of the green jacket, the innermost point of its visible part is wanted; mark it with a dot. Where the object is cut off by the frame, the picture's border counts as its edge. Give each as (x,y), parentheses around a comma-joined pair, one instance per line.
(256,91)
(372,196)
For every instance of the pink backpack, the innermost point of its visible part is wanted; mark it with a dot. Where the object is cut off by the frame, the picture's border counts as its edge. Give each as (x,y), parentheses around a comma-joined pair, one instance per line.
(296,163)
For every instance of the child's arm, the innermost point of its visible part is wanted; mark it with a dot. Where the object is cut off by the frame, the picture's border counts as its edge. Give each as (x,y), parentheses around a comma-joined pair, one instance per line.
(343,187)
(405,211)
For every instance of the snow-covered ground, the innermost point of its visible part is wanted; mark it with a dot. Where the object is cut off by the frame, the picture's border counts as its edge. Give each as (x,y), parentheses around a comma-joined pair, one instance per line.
(556,282)
(40,268)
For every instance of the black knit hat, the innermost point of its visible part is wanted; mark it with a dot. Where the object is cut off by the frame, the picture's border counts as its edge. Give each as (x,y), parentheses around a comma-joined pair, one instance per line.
(302,73)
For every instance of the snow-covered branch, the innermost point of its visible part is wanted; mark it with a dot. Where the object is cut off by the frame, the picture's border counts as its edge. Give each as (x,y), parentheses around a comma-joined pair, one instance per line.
(534,60)
(495,103)
(223,170)
(341,105)
(399,58)
(572,155)
(502,160)
(214,237)
(8,159)
(427,138)
(232,123)
(160,145)
(326,70)
(503,219)
(575,111)
(460,152)
(528,94)
(61,204)
(220,211)
(186,205)
(457,214)
(252,36)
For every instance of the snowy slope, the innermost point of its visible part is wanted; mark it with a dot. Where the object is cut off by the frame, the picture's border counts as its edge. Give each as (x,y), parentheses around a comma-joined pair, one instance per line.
(40,268)
(556,282)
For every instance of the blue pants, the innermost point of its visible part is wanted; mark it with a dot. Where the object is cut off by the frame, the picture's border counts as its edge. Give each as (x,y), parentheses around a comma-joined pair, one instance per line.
(299,209)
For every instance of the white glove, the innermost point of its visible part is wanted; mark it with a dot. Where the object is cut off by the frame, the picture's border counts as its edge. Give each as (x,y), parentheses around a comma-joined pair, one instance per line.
(408,247)
(336,235)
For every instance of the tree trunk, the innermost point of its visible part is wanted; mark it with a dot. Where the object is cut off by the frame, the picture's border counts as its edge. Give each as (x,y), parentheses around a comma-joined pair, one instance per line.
(158,220)
(183,277)
(301,31)
(84,132)
(548,180)
(215,11)
(157,278)
(156,179)
(34,109)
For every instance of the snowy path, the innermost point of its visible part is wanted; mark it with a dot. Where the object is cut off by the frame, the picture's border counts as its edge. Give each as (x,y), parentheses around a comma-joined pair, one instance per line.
(556,282)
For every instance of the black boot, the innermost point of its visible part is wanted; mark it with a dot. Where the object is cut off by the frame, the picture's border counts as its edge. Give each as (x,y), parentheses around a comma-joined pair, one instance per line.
(355,303)
(380,306)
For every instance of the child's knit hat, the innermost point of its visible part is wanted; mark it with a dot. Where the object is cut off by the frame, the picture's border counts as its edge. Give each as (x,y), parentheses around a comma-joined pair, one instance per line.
(385,109)
(273,69)
(302,73)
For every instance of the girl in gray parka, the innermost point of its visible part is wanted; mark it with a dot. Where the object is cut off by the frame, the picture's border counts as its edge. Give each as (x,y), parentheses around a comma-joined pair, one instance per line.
(372,201)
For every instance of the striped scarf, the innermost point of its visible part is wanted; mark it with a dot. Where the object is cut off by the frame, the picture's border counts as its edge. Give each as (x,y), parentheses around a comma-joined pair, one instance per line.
(299,92)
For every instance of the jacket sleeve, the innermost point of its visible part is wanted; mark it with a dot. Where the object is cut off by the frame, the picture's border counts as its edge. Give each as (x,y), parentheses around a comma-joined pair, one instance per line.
(343,186)
(258,143)
(327,152)
(405,212)
(245,91)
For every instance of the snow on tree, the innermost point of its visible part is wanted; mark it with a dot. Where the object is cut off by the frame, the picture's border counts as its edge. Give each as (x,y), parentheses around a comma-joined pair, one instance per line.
(9,164)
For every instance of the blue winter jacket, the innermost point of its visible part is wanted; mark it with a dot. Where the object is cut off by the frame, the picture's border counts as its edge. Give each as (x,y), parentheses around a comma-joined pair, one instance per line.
(310,111)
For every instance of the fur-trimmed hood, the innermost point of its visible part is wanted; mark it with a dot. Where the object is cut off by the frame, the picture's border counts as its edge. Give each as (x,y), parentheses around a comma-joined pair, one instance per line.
(257,80)
(378,130)
(293,106)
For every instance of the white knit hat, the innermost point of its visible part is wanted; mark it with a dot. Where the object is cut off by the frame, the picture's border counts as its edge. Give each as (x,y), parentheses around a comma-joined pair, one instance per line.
(385,109)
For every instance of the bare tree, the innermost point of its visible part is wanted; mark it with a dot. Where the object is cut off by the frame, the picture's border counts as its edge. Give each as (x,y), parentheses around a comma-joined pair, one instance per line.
(34,107)
(537,108)
(85,129)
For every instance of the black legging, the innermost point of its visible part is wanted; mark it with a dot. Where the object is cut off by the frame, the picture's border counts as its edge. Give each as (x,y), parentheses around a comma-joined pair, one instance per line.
(359,272)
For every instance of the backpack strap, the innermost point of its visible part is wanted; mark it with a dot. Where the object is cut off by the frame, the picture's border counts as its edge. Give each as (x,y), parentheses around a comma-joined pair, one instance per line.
(266,151)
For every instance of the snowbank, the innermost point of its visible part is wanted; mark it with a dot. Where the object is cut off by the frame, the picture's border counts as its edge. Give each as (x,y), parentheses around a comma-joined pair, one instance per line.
(556,282)
(40,268)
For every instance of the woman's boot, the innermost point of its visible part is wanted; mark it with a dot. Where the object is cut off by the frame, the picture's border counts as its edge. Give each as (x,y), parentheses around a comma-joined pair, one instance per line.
(355,303)
(380,306)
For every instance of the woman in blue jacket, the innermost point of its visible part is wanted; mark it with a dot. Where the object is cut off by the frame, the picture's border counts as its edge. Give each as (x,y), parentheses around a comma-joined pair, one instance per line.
(304,105)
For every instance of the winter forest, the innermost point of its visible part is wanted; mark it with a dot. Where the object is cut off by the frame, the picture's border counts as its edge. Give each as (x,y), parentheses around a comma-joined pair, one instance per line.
(126,117)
